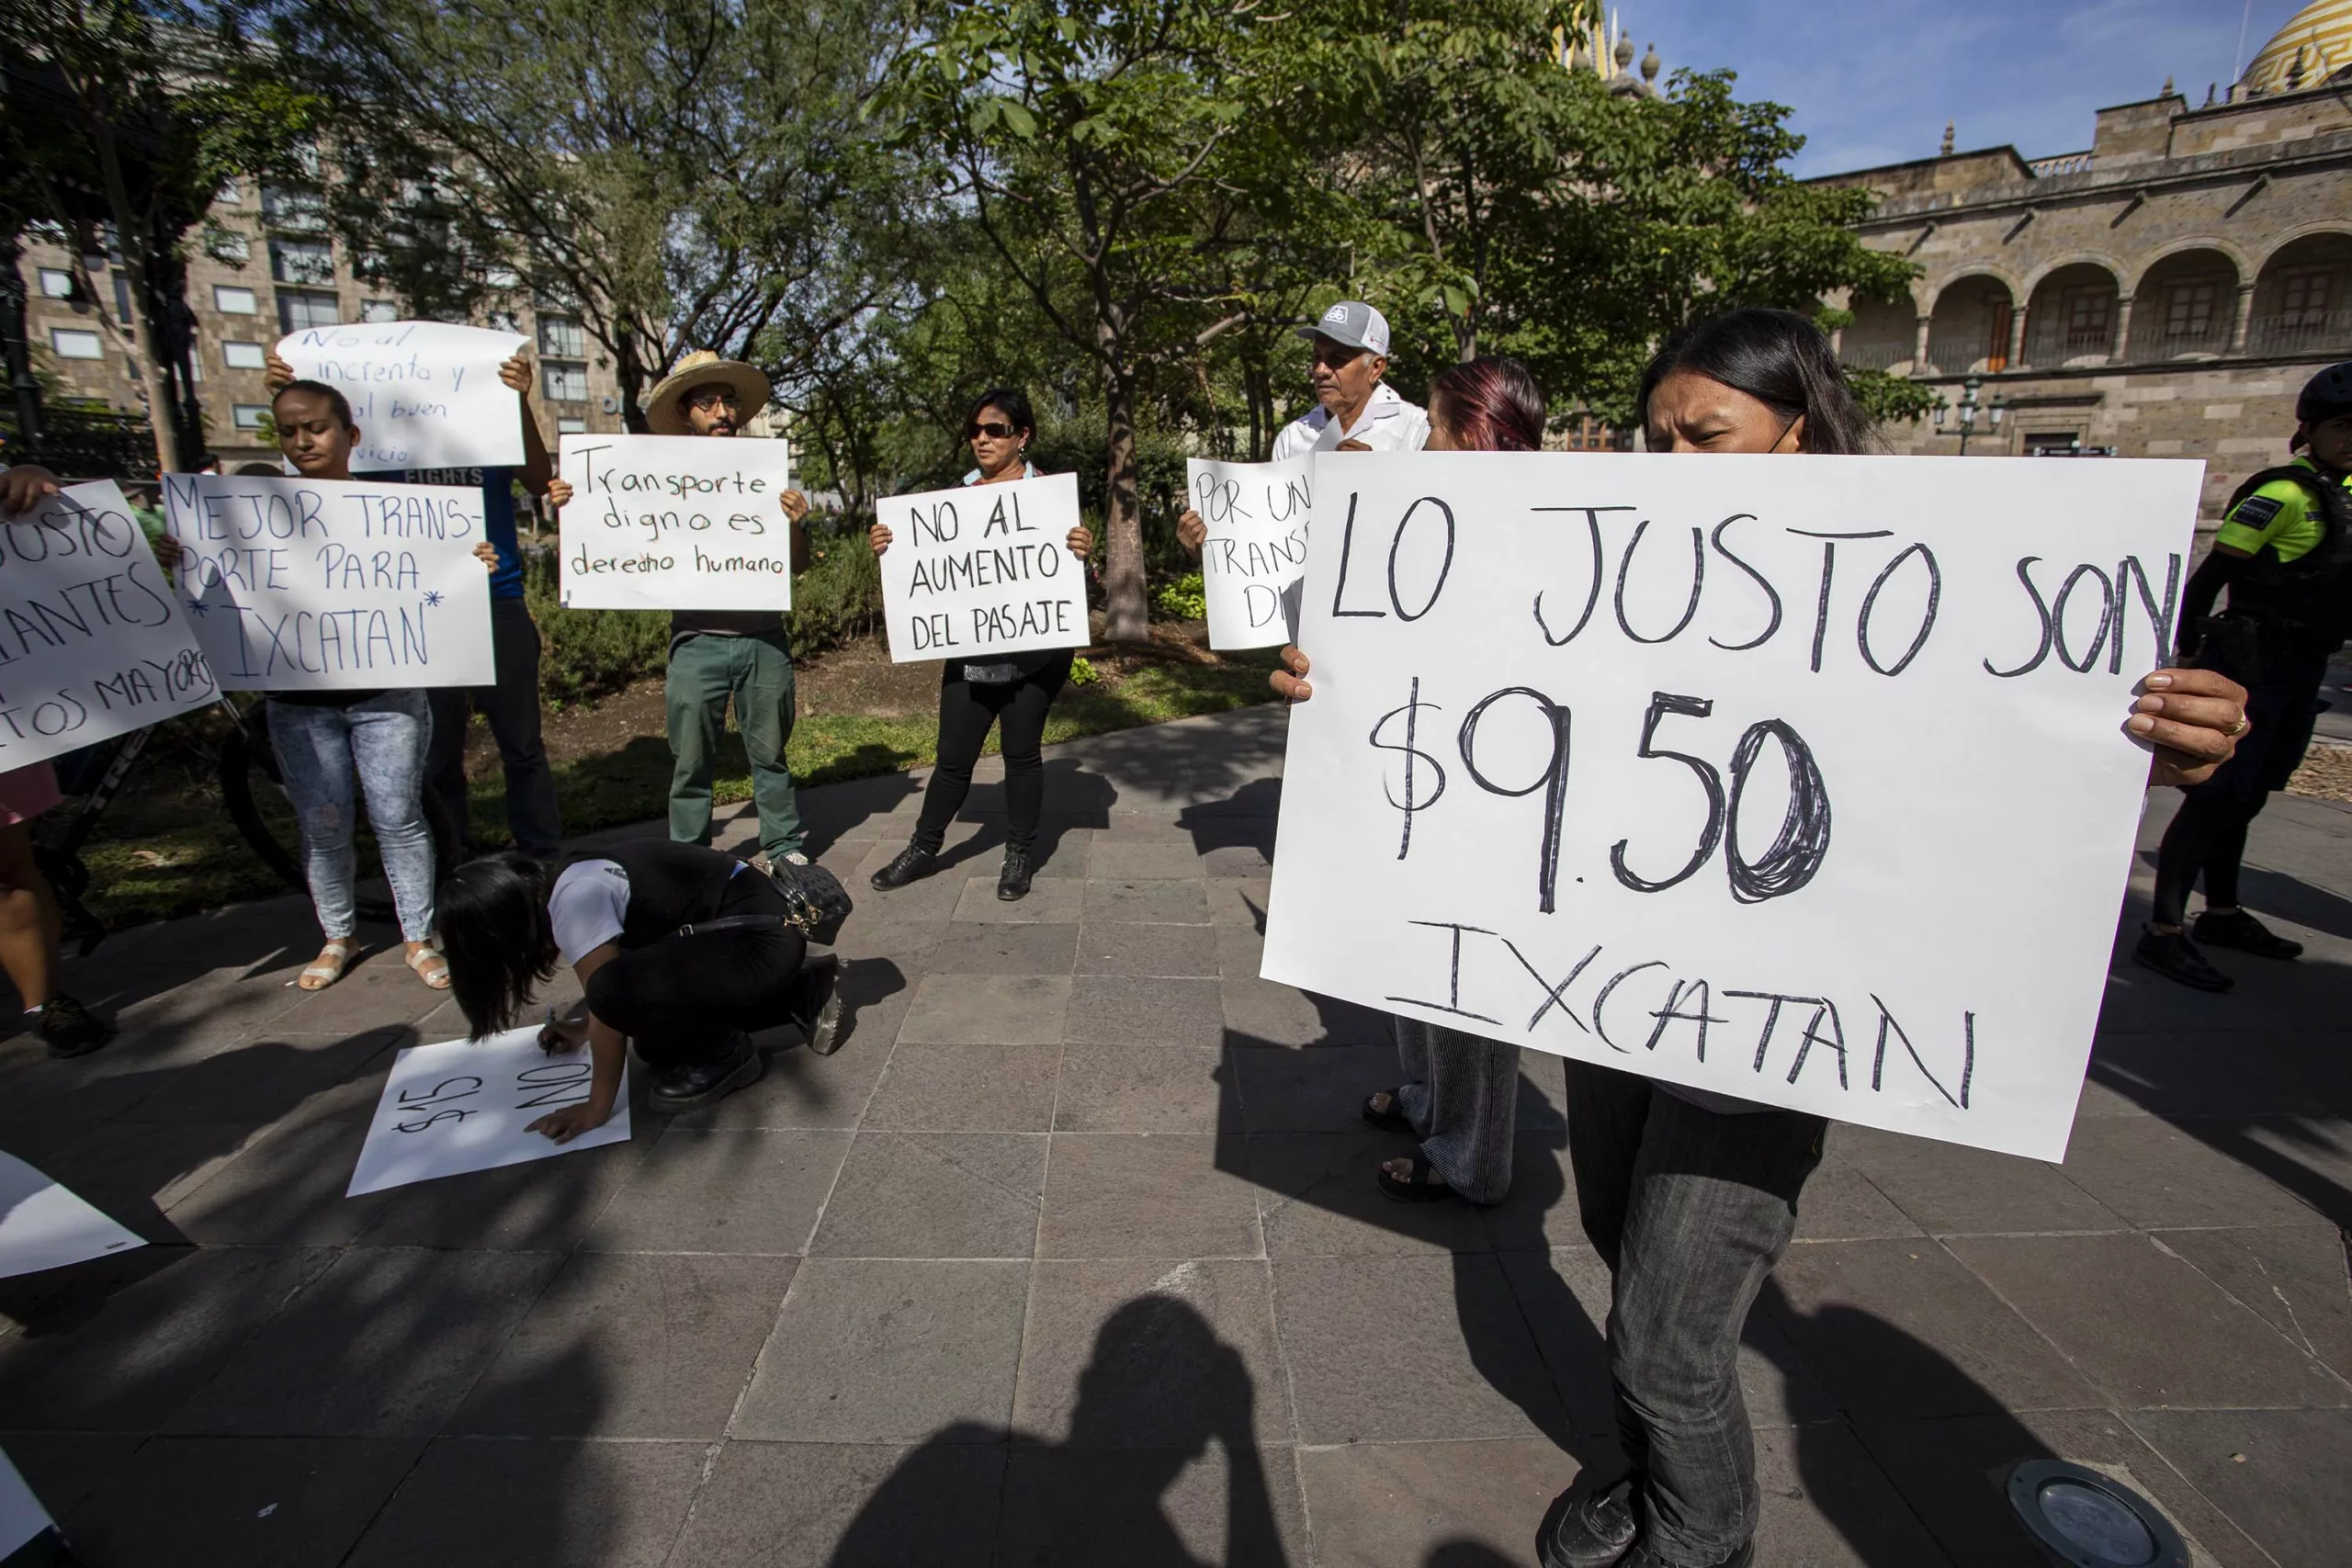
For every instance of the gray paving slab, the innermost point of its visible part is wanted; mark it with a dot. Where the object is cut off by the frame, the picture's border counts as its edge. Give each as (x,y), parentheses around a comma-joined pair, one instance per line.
(1125,1010)
(723,1190)
(1242,1509)
(1122,947)
(1161,1196)
(2279,1474)
(935,1195)
(1144,1088)
(785,1505)
(988,1010)
(967,1088)
(1462,1504)
(270,1502)
(537,1503)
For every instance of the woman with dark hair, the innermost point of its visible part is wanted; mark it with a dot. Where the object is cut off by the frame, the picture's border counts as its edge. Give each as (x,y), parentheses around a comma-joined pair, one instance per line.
(1690,1197)
(1014,689)
(679,948)
(331,744)
(1461,1094)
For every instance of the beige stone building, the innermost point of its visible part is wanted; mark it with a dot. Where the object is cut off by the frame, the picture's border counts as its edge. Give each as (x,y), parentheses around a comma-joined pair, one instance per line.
(263,264)
(2165,292)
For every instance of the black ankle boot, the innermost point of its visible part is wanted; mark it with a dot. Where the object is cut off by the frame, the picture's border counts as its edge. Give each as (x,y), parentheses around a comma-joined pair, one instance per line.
(912,861)
(699,1084)
(1013,882)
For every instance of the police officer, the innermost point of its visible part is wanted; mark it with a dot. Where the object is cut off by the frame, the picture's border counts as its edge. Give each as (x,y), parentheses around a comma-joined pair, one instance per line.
(1355,410)
(2285,554)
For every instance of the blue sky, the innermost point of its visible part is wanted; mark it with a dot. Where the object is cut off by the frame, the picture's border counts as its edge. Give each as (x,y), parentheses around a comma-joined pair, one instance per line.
(1873,81)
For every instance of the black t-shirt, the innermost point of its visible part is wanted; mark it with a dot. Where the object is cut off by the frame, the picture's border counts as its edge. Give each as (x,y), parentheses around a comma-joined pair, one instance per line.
(684,624)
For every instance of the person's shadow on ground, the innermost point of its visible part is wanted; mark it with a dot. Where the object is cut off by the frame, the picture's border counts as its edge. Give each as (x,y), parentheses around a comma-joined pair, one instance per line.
(1158,1391)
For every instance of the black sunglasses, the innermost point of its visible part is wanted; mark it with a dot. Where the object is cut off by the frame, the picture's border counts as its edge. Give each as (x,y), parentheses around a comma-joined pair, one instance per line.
(991,429)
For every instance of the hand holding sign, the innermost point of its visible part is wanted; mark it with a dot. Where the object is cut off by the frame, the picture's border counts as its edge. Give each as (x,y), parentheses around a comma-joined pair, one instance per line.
(425,394)
(984,570)
(1685,808)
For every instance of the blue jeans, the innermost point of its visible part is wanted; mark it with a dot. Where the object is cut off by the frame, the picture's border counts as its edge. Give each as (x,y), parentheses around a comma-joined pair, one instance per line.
(378,745)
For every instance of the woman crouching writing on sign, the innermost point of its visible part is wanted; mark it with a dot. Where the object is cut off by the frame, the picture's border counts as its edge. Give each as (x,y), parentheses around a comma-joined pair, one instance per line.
(1690,1197)
(681,949)
(1015,688)
(327,741)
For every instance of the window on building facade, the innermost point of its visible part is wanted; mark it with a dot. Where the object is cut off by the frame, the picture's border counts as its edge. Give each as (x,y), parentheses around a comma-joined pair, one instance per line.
(379,311)
(122,296)
(69,342)
(249,416)
(245,356)
(564,336)
(300,310)
(565,383)
(2189,309)
(2304,297)
(503,321)
(227,246)
(234,302)
(502,277)
(56,283)
(231,192)
(2085,316)
(571,427)
(293,209)
(302,261)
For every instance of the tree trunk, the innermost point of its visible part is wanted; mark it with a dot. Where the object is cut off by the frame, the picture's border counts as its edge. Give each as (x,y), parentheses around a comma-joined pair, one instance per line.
(1129,618)
(131,236)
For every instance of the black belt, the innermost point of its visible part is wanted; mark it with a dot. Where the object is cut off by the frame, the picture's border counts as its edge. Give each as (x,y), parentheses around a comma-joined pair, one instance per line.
(731,923)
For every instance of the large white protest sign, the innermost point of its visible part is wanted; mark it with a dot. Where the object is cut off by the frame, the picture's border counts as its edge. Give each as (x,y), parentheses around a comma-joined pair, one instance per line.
(42,1225)
(468,1105)
(425,394)
(982,570)
(1256,548)
(92,641)
(320,585)
(1804,782)
(676,523)
(22,1515)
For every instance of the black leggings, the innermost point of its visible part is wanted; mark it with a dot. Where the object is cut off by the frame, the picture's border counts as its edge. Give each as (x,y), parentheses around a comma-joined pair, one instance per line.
(2208,834)
(681,999)
(965,712)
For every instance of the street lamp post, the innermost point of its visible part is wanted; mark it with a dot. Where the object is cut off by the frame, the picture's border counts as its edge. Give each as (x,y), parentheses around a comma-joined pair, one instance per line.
(1968,408)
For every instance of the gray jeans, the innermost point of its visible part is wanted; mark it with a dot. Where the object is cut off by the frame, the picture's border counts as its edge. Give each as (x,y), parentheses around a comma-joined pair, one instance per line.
(374,748)
(1462,1095)
(1690,1209)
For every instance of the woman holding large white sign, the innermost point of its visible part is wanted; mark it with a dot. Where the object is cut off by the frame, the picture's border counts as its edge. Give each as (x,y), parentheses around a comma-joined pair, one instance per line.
(1014,689)
(1689,1195)
(331,744)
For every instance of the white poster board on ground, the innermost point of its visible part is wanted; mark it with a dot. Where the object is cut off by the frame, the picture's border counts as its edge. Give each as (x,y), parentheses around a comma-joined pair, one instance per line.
(1256,548)
(42,1225)
(983,569)
(425,394)
(1803,782)
(676,523)
(465,1105)
(22,1515)
(92,643)
(320,585)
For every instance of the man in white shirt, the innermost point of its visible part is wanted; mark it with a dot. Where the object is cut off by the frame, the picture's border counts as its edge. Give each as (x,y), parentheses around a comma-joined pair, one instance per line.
(1355,410)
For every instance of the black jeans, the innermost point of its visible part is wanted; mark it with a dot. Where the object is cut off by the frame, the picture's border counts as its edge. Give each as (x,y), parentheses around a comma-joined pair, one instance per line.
(681,1000)
(512,708)
(2207,835)
(1690,1209)
(965,712)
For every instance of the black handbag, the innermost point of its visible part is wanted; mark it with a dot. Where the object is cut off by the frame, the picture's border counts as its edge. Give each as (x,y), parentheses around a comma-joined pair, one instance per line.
(815,901)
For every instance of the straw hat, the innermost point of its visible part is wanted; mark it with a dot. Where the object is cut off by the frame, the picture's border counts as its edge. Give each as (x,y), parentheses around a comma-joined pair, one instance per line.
(703,369)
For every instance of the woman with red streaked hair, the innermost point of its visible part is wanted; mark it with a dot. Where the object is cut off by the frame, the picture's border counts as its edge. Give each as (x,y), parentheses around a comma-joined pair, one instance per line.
(1461,1093)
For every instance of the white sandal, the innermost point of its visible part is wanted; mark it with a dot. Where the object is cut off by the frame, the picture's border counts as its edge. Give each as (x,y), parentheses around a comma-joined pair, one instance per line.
(438,978)
(319,976)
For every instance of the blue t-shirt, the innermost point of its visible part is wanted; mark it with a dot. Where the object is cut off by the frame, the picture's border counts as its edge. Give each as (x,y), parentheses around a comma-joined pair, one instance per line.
(497,487)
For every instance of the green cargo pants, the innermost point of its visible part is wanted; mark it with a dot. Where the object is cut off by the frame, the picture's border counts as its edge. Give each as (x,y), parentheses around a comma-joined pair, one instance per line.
(756,672)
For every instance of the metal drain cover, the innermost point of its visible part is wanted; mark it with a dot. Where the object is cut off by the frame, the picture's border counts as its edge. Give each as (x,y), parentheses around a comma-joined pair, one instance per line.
(2089,1520)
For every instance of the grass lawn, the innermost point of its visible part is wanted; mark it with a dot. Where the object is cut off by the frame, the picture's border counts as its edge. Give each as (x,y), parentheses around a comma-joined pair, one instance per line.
(167,850)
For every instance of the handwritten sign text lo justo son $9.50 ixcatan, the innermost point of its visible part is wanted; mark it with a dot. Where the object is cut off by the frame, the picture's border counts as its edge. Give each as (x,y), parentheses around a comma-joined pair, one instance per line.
(1804,782)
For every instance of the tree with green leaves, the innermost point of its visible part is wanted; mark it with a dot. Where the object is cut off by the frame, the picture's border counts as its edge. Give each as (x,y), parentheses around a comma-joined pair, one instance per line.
(679,175)
(124,118)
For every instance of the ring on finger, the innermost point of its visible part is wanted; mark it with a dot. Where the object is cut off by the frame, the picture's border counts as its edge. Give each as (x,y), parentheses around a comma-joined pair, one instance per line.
(2240,727)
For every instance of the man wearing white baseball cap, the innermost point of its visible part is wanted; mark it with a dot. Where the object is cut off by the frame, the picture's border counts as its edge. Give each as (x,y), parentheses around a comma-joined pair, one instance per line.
(1355,410)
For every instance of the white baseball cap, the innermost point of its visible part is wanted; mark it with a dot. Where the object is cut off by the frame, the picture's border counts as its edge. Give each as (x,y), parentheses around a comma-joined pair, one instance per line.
(1351,323)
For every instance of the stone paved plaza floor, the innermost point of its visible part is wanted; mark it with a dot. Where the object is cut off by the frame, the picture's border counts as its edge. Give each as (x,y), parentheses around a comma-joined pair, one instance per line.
(1072,1255)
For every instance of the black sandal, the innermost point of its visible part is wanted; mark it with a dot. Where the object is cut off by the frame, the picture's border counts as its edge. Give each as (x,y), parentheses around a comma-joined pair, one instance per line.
(1417,1187)
(1392,1119)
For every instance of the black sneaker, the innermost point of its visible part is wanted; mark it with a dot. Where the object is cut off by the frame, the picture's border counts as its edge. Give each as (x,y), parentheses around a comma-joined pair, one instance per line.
(913,862)
(1013,882)
(2176,958)
(2238,929)
(69,1028)
(816,1009)
(699,1084)
(1594,1531)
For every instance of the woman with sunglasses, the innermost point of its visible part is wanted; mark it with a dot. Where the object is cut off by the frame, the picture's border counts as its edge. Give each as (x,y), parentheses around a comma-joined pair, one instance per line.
(1690,1197)
(1016,690)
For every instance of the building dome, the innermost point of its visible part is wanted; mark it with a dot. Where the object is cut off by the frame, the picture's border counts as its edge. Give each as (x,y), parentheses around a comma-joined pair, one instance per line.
(2315,45)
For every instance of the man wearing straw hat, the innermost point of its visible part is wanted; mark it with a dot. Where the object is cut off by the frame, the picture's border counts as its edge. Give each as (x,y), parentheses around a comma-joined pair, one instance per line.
(718,656)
